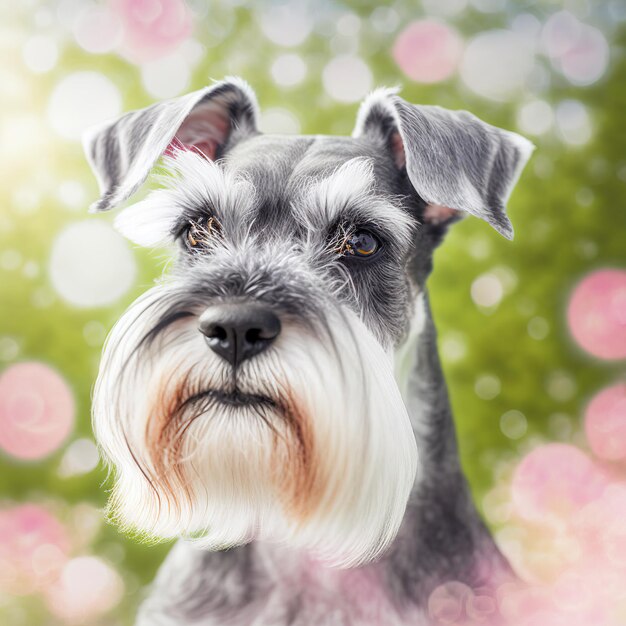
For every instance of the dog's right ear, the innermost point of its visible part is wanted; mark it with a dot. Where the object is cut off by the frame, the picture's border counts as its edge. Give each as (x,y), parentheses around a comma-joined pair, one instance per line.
(122,153)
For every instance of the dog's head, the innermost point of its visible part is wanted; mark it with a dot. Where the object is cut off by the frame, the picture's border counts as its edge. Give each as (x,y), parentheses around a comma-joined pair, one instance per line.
(250,394)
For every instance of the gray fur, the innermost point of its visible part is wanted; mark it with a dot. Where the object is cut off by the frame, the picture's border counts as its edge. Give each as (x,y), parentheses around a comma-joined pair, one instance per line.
(123,152)
(452,159)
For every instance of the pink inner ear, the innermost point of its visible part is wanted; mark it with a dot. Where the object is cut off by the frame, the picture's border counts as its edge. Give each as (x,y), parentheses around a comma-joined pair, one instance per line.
(397,149)
(204,131)
(437,214)
(207,149)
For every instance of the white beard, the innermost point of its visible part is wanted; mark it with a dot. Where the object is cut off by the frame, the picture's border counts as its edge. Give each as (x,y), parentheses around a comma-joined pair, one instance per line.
(327,466)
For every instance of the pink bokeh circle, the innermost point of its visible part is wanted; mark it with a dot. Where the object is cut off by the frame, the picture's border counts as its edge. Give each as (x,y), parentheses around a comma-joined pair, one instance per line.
(86,588)
(427,51)
(152,28)
(597,314)
(447,603)
(36,410)
(34,546)
(605,423)
(554,481)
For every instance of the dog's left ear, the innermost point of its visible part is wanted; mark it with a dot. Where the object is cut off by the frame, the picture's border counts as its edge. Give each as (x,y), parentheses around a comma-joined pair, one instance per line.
(123,152)
(454,161)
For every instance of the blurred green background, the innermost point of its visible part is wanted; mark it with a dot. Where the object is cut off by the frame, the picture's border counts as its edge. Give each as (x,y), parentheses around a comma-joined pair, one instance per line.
(552,71)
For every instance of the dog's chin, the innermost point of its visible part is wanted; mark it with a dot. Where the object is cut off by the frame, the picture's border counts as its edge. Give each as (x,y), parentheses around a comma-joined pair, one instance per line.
(311,446)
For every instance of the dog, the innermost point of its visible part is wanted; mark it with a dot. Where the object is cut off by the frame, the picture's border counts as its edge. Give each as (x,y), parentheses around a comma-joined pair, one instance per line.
(247,404)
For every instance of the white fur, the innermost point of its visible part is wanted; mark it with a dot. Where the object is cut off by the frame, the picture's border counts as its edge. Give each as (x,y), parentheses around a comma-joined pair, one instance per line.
(352,186)
(406,354)
(366,453)
(380,98)
(149,222)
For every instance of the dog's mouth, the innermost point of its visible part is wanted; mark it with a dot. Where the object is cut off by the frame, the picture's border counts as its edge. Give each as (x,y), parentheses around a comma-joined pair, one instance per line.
(239,398)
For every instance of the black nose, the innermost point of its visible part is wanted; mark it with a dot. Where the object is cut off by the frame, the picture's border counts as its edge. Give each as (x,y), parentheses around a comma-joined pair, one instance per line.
(239,331)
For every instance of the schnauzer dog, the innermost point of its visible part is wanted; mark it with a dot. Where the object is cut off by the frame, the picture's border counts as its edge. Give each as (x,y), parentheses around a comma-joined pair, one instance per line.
(247,403)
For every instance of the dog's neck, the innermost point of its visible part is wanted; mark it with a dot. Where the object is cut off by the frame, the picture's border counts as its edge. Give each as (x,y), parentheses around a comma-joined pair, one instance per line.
(442,537)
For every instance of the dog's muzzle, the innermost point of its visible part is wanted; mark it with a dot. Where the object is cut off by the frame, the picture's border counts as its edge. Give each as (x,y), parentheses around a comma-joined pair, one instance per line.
(237,332)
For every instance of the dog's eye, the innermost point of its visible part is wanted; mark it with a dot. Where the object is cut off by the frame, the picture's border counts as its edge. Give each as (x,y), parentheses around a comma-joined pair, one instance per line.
(361,243)
(200,233)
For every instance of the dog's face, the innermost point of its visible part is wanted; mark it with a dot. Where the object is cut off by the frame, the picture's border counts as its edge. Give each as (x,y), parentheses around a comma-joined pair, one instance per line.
(250,394)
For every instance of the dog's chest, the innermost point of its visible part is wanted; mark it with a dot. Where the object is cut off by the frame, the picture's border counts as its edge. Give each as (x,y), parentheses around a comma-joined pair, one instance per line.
(305,592)
(266,585)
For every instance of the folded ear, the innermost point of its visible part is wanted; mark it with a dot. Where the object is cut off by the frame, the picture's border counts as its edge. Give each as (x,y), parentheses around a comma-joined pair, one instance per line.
(122,153)
(454,161)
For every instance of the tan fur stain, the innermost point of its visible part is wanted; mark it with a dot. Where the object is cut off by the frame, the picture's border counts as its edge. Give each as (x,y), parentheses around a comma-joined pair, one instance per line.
(295,470)
(165,435)
(296,466)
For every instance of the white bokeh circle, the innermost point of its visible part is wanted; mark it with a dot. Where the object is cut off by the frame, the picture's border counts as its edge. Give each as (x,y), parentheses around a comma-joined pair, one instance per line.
(288,70)
(496,64)
(86,588)
(81,100)
(40,53)
(97,29)
(347,78)
(91,264)
(279,121)
(167,76)
(573,122)
(535,117)
(287,25)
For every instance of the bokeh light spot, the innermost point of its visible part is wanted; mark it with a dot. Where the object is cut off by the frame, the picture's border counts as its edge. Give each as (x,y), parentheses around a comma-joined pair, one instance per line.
(97,29)
(487,290)
(347,78)
(444,8)
(553,481)
(561,385)
(81,100)
(33,547)
(91,264)
(535,117)
(573,122)
(453,347)
(513,424)
(578,50)
(36,410)
(279,121)
(446,604)
(10,260)
(385,19)
(72,194)
(40,54)
(487,386)
(9,348)
(152,28)
(488,6)
(94,333)
(597,314)
(427,51)
(288,70)
(88,587)
(80,457)
(287,25)
(496,64)
(166,76)
(538,328)
(605,423)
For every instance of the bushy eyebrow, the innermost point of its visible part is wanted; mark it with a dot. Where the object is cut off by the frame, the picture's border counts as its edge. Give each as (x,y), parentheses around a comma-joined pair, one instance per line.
(191,185)
(348,197)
